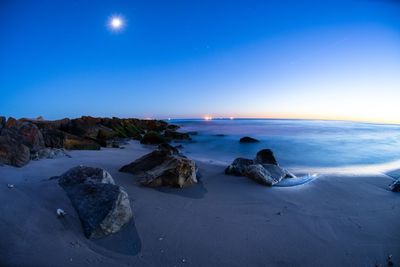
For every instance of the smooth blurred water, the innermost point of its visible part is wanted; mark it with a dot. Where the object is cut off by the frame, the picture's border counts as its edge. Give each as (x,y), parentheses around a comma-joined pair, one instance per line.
(296,143)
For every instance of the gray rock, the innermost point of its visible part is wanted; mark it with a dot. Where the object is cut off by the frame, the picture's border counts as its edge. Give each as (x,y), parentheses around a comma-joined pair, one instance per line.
(267,174)
(259,174)
(265,156)
(175,171)
(83,174)
(395,186)
(102,206)
(239,166)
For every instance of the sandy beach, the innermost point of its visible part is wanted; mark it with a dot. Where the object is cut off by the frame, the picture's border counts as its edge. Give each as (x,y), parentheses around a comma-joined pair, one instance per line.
(335,220)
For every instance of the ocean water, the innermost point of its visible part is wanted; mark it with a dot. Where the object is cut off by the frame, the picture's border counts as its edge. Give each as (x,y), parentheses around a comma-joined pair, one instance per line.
(296,143)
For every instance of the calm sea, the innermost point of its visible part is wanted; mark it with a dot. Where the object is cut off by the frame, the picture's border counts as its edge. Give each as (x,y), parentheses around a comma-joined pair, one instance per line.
(296,143)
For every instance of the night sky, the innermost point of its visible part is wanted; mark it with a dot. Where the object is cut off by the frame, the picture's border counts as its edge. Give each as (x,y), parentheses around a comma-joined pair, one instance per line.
(185,59)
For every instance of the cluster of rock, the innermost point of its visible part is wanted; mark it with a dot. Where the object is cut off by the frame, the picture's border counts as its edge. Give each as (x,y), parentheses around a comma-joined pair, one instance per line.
(102,206)
(264,169)
(165,166)
(25,139)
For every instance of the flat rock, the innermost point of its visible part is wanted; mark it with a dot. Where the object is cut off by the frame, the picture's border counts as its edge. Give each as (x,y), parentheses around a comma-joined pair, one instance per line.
(146,162)
(175,171)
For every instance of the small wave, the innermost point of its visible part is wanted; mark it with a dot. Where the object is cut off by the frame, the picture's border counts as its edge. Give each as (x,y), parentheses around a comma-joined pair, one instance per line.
(289,182)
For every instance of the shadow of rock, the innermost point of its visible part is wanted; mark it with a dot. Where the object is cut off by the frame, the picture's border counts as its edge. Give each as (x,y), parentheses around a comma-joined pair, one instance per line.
(126,241)
(196,191)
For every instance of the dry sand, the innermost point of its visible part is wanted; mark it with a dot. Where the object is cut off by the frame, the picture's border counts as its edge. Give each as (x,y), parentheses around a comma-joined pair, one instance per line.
(335,220)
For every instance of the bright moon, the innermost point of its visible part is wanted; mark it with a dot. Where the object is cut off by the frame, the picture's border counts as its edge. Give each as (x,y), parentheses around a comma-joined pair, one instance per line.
(116,23)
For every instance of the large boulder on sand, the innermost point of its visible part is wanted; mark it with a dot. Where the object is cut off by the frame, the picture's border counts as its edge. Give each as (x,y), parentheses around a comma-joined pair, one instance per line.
(13,152)
(176,171)
(164,167)
(102,206)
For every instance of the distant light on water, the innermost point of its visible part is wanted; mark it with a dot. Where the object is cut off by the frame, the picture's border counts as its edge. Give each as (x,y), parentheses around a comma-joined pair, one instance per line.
(231,118)
(208,118)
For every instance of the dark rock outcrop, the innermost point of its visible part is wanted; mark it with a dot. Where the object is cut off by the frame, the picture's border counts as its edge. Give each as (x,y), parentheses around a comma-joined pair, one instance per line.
(266,156)
(102,206)
(53,138)
(239,167)
(248,139)
(73,142)
(13,152)
(3,121)
(173,135)
(31,136)
(25,133)
(395,186)
(168,148)
(153,138)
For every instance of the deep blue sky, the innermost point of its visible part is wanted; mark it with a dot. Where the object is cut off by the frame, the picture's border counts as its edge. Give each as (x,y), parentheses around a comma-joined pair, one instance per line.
(313,59)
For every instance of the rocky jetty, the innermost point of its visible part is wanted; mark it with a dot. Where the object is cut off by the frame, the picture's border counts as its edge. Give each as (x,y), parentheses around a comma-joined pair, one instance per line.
(264,169)
(164,167)
(23,139)
(102,206)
